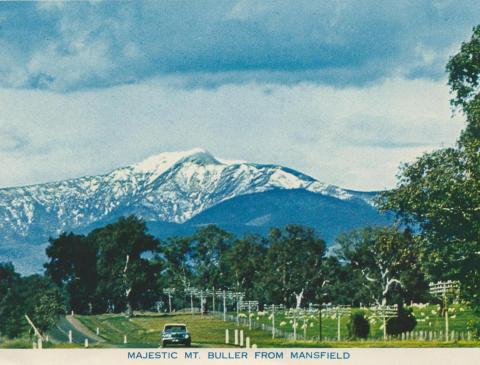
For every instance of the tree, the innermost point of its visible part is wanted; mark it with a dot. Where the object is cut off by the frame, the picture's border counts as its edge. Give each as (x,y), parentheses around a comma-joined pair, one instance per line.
(12,321)
(42,301)
(126,278)
(343,284)
(72,266)
(294,263)
(34,295)
(386,258)
(177,252)
(439,194)
(210,245)
(464,72)
(245,262)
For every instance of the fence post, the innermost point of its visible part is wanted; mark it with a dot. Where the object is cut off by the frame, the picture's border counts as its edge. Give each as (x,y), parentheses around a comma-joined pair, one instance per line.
(241,338)
(98,331)
(236,337)
(247,342)
(86,342)
(40,343)
(70,337)
(227,336)
(125,339)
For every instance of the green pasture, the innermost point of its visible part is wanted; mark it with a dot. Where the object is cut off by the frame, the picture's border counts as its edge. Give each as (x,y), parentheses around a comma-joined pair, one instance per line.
(428,319)
(208,331)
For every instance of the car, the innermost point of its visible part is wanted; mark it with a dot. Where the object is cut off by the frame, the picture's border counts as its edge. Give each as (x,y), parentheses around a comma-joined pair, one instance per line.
(176,334)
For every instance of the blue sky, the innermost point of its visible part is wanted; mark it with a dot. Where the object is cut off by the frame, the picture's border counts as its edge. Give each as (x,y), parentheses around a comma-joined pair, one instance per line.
(342,90)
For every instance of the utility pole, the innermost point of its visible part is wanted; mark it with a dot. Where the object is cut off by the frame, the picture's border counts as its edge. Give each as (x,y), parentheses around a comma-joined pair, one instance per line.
(169,292)
(191,302)
(249,317)
(320,322)
(273,321)
(385,312)
(295,324)
(320,305)
(238,309)
(192,292)
(338,324)
(273,308)
(445,289)
(338,311)
(213,300)
(224,306)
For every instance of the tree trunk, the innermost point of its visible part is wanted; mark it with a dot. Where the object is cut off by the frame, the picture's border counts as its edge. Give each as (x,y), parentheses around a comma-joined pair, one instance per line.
(299,298)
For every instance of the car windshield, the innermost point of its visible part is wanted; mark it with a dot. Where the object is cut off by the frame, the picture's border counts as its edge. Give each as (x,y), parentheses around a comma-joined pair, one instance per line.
(175,328)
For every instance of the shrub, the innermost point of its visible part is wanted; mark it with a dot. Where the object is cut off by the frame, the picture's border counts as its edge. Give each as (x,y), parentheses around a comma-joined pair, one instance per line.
(473,326)
(358,327)
(404,322)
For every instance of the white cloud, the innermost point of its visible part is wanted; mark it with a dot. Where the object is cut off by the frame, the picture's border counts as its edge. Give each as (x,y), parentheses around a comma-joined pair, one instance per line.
(352,137)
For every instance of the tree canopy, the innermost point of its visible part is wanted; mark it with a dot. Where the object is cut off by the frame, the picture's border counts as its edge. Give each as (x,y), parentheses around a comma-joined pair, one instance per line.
(439,194)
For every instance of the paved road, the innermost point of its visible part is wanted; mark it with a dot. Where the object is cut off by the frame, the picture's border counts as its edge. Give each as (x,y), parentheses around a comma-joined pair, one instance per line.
(79,332)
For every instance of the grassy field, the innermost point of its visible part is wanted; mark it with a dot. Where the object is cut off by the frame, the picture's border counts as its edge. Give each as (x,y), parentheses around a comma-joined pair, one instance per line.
(428,319)
(143,330)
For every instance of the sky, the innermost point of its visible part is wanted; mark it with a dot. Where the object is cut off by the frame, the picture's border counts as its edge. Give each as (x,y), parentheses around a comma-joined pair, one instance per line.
(344,91)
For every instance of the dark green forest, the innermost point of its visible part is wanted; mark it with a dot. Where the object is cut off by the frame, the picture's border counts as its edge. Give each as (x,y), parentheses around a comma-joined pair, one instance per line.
(122,268)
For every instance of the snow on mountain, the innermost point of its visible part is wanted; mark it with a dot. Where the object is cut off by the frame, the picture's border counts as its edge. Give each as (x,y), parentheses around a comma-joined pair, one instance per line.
(169,187)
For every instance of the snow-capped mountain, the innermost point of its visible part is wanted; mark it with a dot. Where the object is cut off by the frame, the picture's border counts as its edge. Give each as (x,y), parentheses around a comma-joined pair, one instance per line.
(169,187)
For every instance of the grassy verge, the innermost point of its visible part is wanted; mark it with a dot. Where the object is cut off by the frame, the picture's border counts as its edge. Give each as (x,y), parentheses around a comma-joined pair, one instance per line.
(27,343)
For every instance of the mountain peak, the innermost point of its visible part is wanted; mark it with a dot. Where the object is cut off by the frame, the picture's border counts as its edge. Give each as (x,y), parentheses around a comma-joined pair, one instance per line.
(170,187)
(158,164)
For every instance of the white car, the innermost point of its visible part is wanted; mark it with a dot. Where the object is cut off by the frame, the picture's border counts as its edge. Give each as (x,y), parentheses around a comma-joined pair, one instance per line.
(176,334)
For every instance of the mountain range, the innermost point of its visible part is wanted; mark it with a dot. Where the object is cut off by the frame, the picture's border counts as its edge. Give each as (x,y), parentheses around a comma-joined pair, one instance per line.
(176,192)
